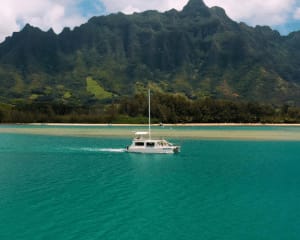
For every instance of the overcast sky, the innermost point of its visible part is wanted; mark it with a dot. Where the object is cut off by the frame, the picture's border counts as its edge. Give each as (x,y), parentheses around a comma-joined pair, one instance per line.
(283,15)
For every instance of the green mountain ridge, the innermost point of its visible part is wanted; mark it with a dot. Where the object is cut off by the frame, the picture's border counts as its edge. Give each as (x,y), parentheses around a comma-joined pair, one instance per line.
(199,52)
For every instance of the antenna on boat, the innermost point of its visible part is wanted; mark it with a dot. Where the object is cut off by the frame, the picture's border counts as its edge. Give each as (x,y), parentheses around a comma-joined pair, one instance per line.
(149,113)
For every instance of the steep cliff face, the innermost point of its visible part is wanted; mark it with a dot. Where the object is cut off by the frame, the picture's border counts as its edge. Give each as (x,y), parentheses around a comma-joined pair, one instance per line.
(198,51)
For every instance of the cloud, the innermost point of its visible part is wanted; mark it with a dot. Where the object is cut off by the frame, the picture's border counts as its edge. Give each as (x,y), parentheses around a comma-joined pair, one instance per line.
(45,14)
(130,6)
(253,12)
(297,14)
(57,14)
(257,12)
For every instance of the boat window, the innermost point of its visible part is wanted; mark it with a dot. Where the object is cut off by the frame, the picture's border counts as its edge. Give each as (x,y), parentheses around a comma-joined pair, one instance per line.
(150,144)
(139,144)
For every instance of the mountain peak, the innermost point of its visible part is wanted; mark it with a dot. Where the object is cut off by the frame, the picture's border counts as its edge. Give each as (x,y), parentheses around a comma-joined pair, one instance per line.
(28,27)
(196,3)
(195,7)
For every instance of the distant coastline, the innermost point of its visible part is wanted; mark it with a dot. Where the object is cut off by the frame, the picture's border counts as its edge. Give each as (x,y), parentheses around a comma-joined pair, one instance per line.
(162,125)
(203,131)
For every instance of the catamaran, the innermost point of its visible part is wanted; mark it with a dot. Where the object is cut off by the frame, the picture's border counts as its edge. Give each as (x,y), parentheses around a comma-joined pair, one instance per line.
(143,143)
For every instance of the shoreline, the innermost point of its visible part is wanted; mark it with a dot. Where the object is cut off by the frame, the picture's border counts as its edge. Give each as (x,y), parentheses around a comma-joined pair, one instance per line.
(172,131)
(163,125)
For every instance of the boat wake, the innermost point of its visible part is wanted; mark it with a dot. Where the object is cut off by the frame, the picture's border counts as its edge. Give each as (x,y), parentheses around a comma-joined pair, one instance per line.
(116,150)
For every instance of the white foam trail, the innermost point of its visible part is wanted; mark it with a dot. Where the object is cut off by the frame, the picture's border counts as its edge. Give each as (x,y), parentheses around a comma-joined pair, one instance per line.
(112,149)
(104,149)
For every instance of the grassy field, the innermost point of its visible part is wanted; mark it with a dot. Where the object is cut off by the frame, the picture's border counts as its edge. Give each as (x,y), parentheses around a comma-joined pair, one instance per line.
(93,87)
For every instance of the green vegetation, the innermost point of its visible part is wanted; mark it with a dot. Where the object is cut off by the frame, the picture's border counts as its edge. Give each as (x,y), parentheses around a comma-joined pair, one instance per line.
(166,108)
(93,87)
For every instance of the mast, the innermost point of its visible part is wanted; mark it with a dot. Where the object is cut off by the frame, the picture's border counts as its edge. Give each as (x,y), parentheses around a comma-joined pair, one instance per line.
(149,113)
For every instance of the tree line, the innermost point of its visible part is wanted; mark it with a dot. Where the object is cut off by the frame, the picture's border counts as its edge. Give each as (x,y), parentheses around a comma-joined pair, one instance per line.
(176,108)
(165,108)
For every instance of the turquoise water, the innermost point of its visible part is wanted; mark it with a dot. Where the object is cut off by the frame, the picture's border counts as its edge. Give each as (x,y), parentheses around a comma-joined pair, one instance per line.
(87,188)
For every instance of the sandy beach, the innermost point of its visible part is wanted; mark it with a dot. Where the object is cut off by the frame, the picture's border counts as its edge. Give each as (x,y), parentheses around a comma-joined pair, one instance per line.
(259,132)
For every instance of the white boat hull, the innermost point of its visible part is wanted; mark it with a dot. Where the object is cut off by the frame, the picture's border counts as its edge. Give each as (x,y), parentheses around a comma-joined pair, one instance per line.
(141,145)
(163,150)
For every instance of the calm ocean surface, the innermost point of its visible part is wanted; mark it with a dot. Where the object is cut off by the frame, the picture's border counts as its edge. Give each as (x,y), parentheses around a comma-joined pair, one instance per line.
(72,187)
